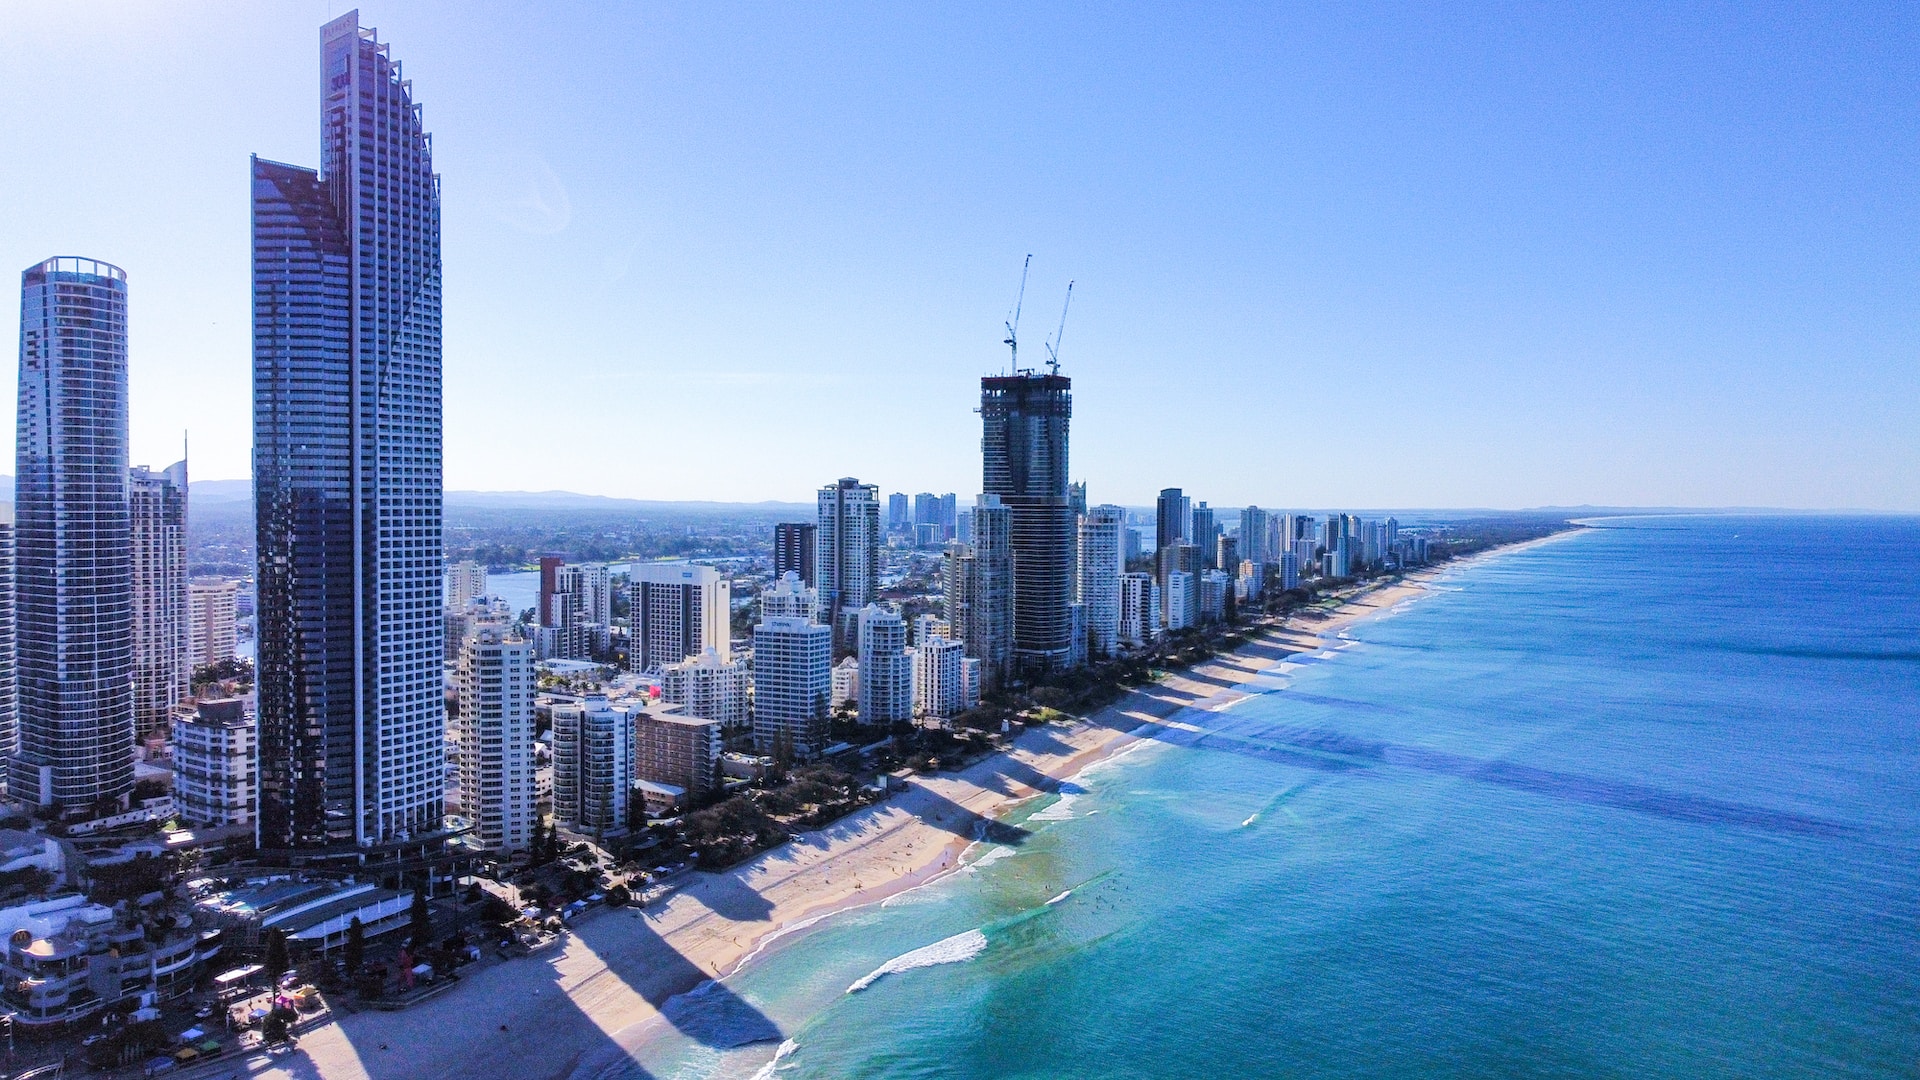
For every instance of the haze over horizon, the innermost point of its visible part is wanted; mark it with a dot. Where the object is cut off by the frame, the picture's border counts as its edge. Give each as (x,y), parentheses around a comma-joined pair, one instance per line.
(1372,258)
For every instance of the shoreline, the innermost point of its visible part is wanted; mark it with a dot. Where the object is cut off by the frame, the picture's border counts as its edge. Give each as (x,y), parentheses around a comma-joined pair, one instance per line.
(610,990)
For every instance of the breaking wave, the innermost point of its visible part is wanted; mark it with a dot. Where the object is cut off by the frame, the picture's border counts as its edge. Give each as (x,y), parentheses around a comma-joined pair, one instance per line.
(957,949)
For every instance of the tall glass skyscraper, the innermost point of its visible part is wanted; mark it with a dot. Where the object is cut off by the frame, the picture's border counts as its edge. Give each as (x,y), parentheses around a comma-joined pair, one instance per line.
(1024,417)
(74,582)
(346,384)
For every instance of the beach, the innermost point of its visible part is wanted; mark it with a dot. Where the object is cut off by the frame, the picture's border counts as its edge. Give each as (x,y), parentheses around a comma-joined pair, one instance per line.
(581,1008)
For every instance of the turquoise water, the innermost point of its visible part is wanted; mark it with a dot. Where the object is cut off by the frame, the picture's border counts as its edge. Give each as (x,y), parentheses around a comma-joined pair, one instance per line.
(1641,802)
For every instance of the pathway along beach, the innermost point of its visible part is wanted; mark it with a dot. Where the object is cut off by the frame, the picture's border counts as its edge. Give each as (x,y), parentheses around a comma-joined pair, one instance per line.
(581,1008)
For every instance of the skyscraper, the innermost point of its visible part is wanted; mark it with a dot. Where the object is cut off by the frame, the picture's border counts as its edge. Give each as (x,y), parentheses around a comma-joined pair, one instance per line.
(792,684)
(1255,543)
(977,583)
(9,681)
(898,517)
(848,551)
(1170,523)
(73,590)
(1025,419)
(794,550)
(1201,532)
(211,617)
(346,383)
(679,611)
(494,740)
(157,517)
(886,667)
(1099,567)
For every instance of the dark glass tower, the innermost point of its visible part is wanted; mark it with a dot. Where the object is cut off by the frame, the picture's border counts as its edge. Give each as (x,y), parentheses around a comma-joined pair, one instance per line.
(74,589)
(1024,457)
(346,383)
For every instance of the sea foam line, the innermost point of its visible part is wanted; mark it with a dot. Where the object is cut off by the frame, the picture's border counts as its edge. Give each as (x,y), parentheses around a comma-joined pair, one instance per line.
(766,1071)
(957,949)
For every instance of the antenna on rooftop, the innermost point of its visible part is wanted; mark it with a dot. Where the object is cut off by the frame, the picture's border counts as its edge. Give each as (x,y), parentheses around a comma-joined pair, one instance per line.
(1053,347)
(1013,324)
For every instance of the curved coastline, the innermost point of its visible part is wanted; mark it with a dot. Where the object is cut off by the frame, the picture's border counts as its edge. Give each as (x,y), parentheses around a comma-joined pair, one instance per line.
(613,988)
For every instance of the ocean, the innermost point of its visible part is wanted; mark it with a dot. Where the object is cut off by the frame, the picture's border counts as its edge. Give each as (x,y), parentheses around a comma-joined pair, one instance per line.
(1639,802)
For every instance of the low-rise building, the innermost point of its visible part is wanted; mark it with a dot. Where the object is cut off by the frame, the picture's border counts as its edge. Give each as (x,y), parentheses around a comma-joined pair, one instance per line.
(677,750)
(68,959)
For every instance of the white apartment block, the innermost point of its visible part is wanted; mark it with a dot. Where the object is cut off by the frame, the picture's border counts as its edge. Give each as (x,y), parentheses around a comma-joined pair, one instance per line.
(1100,565)
(215,780)
(792,685)
(1178,607)
(939,689)
(928,627)
(493,737)
(1139,609)
(157,512)
(790,598)
(210,621)
(679,610)
(846,682)
(593,751)
(465,581)
(709,688)
(886,672)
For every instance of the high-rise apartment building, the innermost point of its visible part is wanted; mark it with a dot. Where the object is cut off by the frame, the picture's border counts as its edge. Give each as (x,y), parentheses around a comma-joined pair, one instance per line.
(212,607)
(347,465)
(886,667)
(1099,567)
(215,779)
(1255,541)
(899,517)
(789,598)
(593,752)
(9,682)
(792,685)
(795,550)
(1203,530)
(1179,605)
(708,687)
(1025,419)
(938,692)
(977,583)
(465,581)
(1170,523)
(157,517)
(1139,609)
(679,610)
(947,514)
(74,571)
(1226,554)
(494,737)
(678,750)
(849,551)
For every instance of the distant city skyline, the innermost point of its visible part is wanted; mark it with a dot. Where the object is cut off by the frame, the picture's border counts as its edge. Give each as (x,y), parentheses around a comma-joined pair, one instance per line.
(1625,257)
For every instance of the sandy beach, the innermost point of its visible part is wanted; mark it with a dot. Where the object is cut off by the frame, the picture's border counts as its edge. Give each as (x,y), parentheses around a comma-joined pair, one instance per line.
(578,1009)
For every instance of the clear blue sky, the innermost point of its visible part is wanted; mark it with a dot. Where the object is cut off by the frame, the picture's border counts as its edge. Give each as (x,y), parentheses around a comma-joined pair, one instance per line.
(1500,256)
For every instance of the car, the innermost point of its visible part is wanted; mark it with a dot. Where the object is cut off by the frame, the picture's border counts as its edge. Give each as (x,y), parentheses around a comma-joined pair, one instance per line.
(203,1012)
(94,1039)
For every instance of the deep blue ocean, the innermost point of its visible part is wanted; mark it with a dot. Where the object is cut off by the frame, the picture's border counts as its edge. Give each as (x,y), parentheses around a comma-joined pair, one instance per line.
(1639,802)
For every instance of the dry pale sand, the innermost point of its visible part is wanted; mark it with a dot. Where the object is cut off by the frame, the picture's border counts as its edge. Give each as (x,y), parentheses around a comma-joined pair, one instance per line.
(577,1008)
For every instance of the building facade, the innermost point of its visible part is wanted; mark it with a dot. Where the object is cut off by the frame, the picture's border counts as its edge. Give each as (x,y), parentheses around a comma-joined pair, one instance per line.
(9,682)
(494,737)
(157,516)
(678,750)
(1139,610)
(212,621)
(848,571)
(792,686)
(1099,566)
(939,692)
(347,465)
(886,668)
(790,598)
(73,588)
(215,779)
(709,688)
(593,753)
(1025,419)
(679,611)
(465,581)
(796,550)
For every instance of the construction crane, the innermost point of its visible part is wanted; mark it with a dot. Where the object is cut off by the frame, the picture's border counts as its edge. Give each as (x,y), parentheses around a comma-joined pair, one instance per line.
(1013,324)
(1053,347)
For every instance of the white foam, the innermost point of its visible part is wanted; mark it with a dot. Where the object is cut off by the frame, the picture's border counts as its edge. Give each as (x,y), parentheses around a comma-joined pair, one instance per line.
(766,1071)
(1061,810)
(1059,898)
(957,949)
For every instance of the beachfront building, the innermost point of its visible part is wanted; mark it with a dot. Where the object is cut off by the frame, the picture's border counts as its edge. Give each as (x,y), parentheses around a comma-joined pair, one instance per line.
(846,682)
(493,736)
(1023,449)
(1216,588)
(969,683)
(886,668)
(939,691)
(977,590)
(215,779)
(593,756)
(679,611)
(1255,535)
(1099,569)
(708,687)
(68,960)
(792,685)
(1179,609)
(157,516)
(9,684)
(790,597)
(678,751)
(1139,610)
(347,466)
(73,583)
(1289,570)
(848,552)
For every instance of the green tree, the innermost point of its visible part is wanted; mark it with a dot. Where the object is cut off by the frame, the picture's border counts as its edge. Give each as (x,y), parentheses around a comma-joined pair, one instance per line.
(276,962)
(420,919)
(356,946)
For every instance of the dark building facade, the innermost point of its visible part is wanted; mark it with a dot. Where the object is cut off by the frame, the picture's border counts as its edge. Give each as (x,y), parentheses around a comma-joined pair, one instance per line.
(347,465)
(794,549)
(1024,419)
